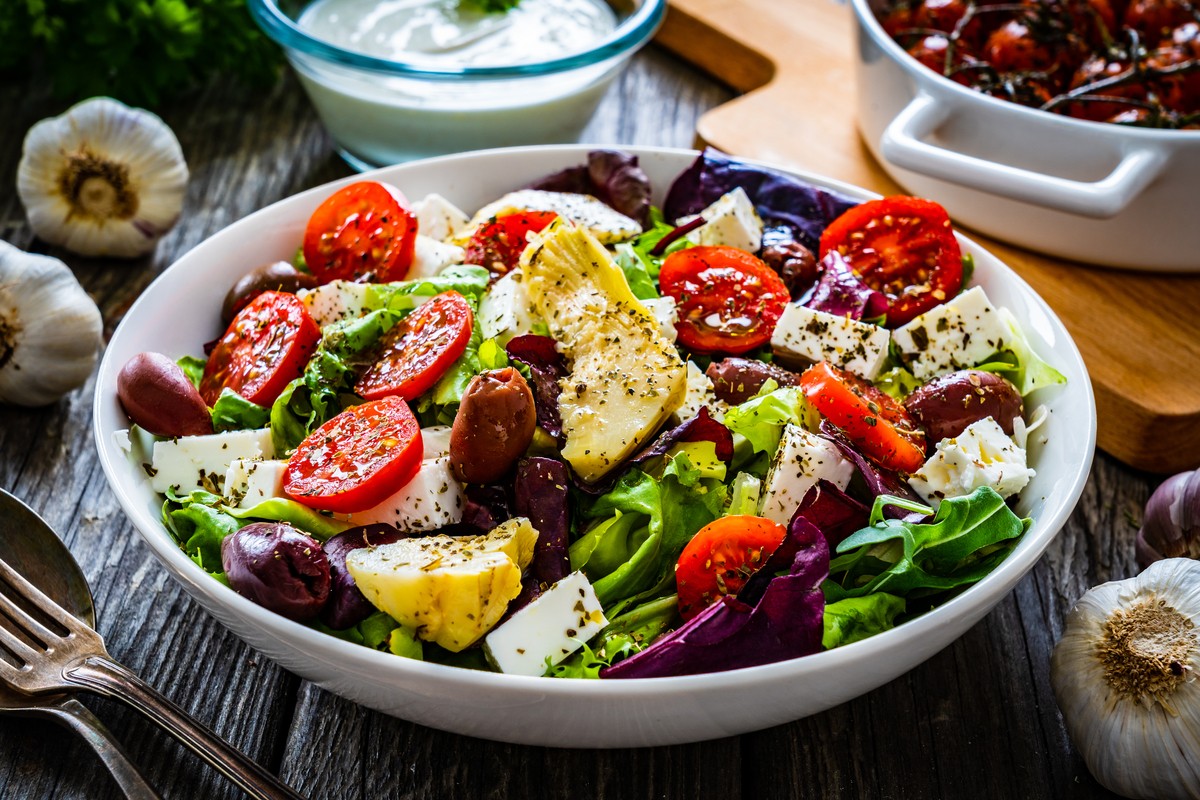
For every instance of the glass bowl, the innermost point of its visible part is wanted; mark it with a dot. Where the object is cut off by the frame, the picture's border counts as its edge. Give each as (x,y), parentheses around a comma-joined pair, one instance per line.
(382,111)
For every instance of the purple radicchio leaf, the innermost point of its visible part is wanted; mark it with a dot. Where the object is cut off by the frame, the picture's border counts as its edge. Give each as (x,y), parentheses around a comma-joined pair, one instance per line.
(878,480)
(840,292)
(540,489)
(786,622)
(781,200)
(611,176)
(546,366)
(836,513)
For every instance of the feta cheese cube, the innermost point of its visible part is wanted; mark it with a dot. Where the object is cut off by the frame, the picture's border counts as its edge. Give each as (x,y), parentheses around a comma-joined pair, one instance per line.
(803,459)
(549,629)
(663,309)
(431,256)
(335,301)
(436,440)
(699,394)
(731,221)
(438,218)
(201,462)
(982,455)
(958,334)
(431,500)
(248,482)
(858,347)
(506,310)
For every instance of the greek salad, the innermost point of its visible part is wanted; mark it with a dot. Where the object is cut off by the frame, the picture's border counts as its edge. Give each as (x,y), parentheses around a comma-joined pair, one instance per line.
(577,435)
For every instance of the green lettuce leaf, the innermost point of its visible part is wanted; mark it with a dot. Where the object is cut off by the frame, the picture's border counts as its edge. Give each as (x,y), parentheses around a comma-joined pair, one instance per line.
(622,637)
(640,267)
(898,383)
(761,418)
(380,632)
(854,618)
(1020,364)
(280,509)
(193,367)
(233,412)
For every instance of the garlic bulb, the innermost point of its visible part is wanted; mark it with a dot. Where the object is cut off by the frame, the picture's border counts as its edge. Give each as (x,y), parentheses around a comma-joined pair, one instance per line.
(49,329)
(1124,675)
(103,179)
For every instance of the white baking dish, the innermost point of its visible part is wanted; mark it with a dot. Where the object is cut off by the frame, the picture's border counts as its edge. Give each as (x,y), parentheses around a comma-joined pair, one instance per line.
(1105,194)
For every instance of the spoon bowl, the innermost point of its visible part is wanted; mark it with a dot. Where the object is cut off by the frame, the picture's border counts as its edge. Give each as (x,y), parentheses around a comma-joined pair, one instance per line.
(33,549)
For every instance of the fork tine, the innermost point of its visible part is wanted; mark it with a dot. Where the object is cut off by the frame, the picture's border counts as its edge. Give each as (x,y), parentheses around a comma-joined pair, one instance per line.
(38,598)
(11,642)
(40,633)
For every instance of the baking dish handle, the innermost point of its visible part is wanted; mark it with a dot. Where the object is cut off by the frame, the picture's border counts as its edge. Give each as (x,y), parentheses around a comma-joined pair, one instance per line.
(903,144)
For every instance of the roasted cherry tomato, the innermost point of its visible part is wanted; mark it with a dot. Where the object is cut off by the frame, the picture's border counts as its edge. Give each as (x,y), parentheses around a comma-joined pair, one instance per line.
(498,244)
(903,247)
(728,300)
(265,348)
(877,424)
(721,557)
(419,349)
(363,232)
(357,459)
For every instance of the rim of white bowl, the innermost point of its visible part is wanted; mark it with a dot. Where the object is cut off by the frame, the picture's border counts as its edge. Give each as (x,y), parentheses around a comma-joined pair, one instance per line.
(375,664)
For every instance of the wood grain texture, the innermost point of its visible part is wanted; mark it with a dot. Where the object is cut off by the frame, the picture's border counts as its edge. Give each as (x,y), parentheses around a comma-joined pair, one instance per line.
(1138,333)
(976,721)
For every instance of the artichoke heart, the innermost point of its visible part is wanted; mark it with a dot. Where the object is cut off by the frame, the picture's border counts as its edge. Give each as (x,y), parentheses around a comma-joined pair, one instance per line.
(626,377)
(450,589)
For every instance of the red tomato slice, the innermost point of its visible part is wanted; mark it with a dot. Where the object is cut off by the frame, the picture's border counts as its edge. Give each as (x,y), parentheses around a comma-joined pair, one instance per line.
(728,300)
(363,232)
(356,460)
(265,348)
(901,246)
(419,349)
(876,423)
(498,243)
(721,557)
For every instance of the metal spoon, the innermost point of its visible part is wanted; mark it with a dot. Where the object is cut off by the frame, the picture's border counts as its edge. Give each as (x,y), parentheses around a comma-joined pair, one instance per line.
(30,545)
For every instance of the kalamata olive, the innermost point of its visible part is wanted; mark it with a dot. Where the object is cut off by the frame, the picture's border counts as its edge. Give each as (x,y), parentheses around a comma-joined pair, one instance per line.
(158,397)
(347,606)
(736,380)
(794,262)
(279,276)
(278,567)
(493,428)
(946,405)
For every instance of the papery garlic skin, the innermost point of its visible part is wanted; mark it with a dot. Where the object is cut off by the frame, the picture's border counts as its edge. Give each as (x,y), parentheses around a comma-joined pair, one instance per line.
(50,329)
(103,179)
(1132,704)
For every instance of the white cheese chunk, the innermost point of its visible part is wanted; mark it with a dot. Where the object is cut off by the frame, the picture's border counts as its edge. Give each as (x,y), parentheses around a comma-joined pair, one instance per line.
(803,459)
(953,336)
(438,218)
(699,395)
(436,440)
(549,629)
(506,310)
(431,257)
(982,455)
(664,310)
(201,462)
(730,221)
(335,301)
(431,500)
(857,347)
(604,222)
(248,482)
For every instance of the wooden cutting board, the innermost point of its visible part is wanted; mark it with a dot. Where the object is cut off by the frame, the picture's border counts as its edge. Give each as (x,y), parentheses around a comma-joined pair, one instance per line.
(793,59)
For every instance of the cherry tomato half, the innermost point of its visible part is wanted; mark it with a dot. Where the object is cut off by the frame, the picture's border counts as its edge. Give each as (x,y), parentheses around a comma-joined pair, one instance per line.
(363,232)
(498,243)
(901,246)
(264,349)
(356,460)
(876,423)
(419,349)
(721,557)
(728,300)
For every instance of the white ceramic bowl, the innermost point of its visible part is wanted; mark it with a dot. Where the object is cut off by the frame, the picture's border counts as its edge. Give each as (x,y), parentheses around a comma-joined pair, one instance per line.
(1106,194)
(180,310)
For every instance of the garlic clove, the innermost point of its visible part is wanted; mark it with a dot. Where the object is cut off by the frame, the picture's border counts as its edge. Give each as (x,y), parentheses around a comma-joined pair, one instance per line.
(1124,675)
(1171,522)
(103,179)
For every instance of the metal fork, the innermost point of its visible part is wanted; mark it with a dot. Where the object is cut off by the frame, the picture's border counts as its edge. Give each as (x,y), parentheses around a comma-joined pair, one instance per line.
(77,661)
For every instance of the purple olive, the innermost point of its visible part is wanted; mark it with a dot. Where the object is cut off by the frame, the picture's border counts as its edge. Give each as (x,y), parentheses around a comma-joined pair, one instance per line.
(736,380)
(946,405)
(159,398)
(278,276)
(278,567)
(347,606)
(794,262)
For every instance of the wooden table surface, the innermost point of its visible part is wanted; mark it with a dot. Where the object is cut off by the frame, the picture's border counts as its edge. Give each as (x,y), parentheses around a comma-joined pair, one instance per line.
(976,721)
